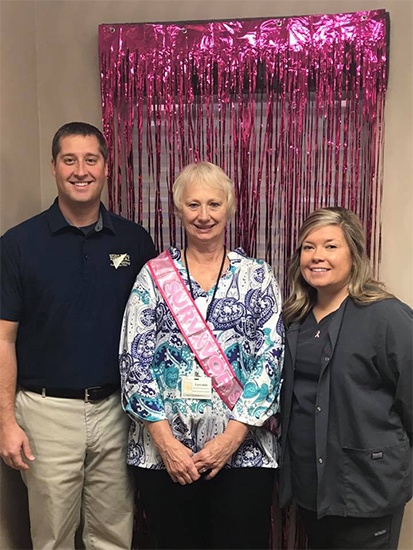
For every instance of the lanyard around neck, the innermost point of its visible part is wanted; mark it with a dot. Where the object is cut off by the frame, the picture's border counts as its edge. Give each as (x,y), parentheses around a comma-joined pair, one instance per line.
(216,284)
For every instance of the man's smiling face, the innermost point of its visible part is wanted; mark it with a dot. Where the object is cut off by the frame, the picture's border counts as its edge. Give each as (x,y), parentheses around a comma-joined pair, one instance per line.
(80,171)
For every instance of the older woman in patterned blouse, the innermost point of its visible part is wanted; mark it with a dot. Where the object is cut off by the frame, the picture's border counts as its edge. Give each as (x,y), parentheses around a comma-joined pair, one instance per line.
(202,458)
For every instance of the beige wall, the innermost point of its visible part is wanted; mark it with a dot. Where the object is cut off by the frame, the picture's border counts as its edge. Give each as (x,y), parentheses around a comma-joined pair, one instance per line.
(20,190)
(49,75)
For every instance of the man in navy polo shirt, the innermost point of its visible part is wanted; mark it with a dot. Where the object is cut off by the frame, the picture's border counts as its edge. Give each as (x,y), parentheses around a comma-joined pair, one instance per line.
(66,277)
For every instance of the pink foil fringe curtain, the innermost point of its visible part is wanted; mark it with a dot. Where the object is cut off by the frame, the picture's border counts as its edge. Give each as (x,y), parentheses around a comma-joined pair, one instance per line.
(291,108)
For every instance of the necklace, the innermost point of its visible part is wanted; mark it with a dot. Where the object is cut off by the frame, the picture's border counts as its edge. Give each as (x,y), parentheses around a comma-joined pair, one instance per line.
(216,284)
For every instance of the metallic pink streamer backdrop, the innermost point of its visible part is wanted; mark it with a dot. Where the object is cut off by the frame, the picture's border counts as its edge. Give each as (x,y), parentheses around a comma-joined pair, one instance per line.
(291,108)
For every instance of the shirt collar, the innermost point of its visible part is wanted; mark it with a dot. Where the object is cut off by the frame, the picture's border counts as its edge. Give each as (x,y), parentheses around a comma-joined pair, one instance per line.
(57,222)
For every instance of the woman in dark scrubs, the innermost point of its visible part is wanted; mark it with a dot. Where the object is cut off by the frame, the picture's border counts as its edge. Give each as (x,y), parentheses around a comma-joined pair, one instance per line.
(346,399)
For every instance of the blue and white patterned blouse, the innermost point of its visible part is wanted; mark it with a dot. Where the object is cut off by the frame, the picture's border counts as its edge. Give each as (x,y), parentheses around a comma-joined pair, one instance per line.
(154,356)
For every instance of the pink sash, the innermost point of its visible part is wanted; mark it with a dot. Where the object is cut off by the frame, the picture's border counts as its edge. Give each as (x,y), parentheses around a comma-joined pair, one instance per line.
(194,329)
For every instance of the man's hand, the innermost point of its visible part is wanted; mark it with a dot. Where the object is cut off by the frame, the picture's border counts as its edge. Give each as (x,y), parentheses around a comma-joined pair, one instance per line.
(14,447)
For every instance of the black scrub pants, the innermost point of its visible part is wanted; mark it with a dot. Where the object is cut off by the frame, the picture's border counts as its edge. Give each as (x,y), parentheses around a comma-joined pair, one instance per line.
(350,533)
(231,511)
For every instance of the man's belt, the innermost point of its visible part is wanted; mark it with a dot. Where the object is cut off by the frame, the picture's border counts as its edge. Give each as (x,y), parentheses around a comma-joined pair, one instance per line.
(95,393)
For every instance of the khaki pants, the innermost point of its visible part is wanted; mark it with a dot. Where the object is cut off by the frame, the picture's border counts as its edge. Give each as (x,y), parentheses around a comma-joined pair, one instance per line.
(79,471)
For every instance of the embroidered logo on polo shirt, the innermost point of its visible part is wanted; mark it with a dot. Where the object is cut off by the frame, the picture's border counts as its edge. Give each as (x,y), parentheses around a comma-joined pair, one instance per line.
(119,260)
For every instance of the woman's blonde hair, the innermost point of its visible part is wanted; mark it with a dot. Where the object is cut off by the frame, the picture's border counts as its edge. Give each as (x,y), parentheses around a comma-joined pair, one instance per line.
(208,174)
(362,286)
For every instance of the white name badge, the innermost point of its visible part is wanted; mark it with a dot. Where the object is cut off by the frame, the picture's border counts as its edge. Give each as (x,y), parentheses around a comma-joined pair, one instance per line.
(196,388)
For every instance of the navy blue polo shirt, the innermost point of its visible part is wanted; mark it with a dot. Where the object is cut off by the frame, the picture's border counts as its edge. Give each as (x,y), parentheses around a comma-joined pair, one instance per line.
(68,292)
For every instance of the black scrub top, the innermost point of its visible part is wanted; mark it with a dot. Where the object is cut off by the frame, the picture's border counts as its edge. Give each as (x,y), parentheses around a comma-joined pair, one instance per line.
(311,340)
